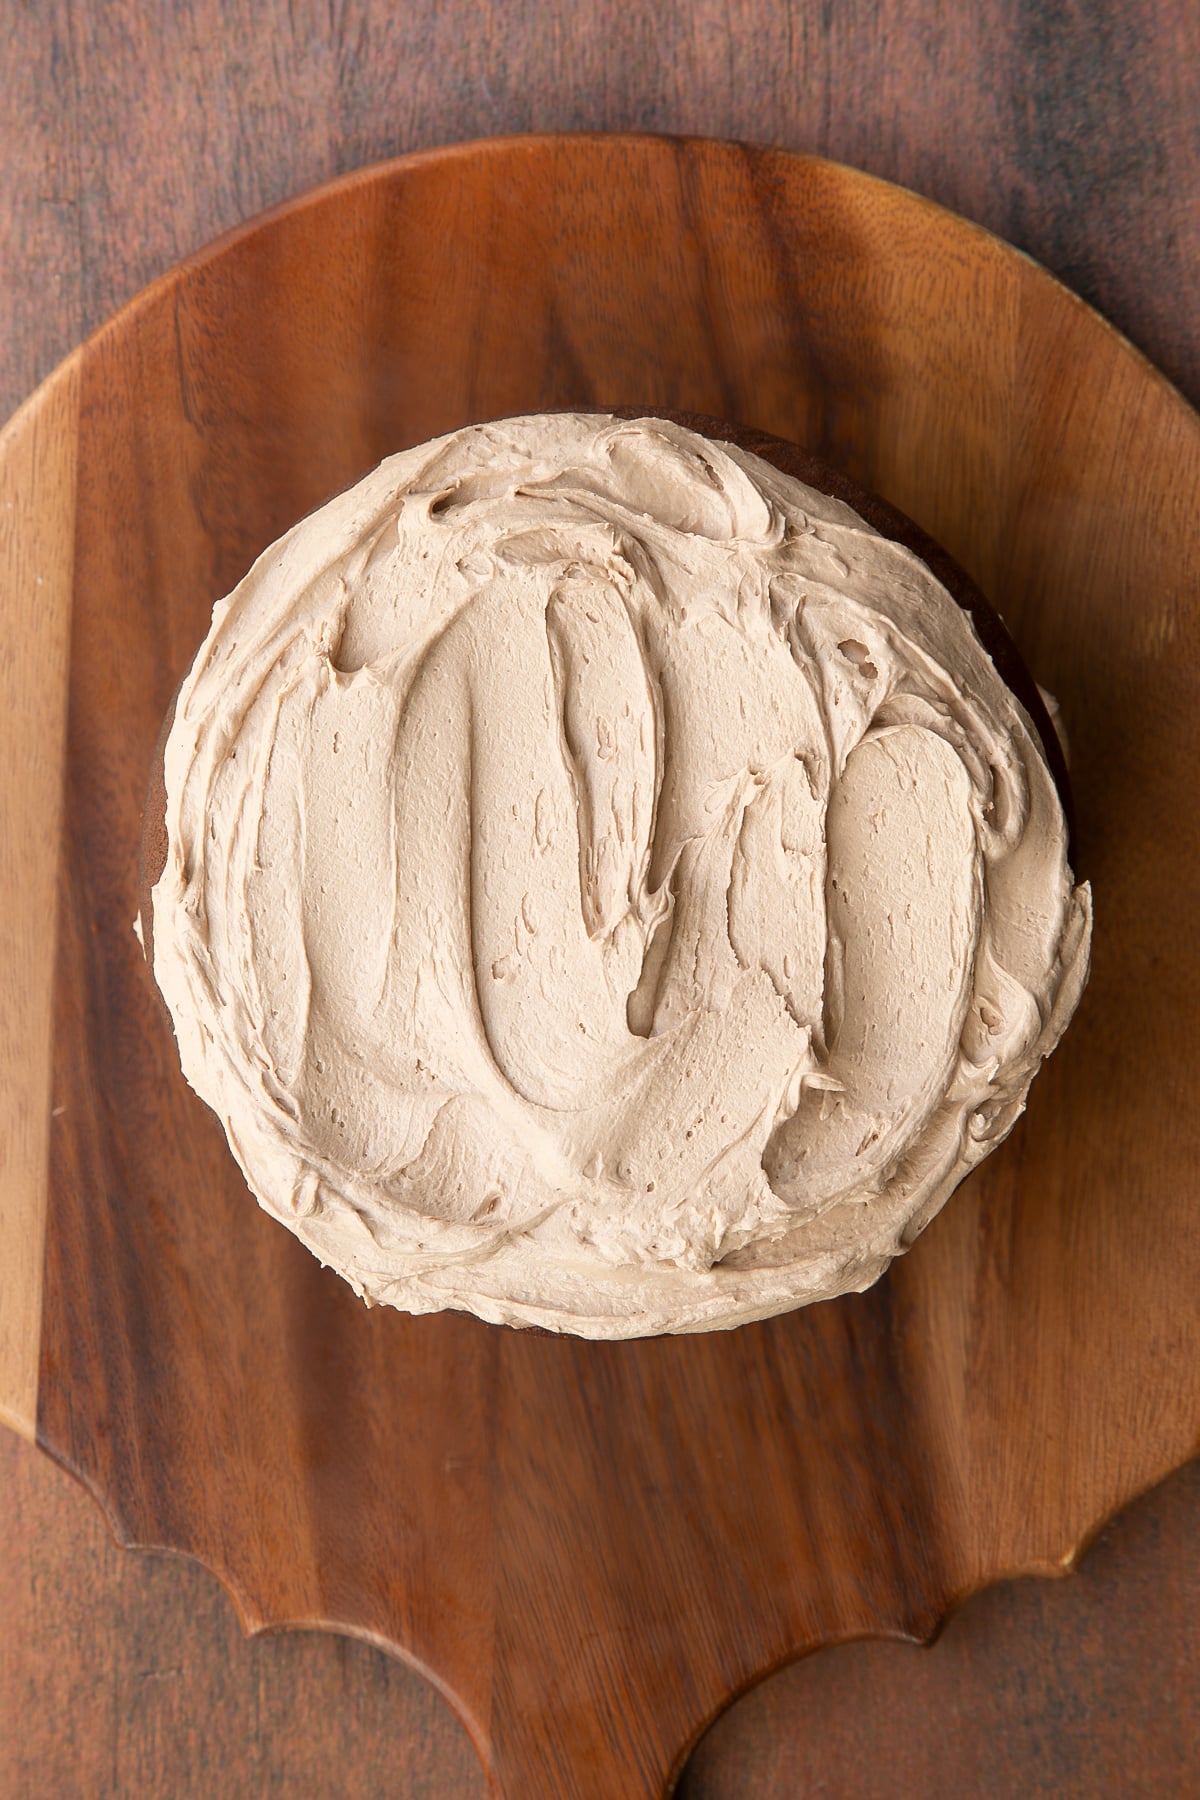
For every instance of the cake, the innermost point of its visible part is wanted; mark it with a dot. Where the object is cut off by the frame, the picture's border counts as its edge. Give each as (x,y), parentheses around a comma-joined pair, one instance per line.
(610,875)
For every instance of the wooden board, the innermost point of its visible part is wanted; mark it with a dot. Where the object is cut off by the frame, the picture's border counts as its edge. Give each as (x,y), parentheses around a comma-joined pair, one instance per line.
(591,1548)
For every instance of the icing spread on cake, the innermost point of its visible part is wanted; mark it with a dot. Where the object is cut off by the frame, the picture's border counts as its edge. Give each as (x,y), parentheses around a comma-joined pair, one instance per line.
(608,885)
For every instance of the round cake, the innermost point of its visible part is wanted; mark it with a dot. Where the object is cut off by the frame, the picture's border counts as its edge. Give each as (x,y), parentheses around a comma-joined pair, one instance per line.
(602,878)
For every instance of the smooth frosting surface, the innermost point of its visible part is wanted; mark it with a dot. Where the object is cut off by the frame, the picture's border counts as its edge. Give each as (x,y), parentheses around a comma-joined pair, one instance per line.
(608,885)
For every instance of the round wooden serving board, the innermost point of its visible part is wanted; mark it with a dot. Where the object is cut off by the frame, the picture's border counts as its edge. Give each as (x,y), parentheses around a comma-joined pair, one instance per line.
(591,1548)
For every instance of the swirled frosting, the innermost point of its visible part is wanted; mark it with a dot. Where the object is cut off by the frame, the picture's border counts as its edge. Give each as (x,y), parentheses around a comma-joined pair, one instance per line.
(608,884)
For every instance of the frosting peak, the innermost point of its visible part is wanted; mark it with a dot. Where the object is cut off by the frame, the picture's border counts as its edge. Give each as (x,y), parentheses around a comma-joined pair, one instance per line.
(608,884)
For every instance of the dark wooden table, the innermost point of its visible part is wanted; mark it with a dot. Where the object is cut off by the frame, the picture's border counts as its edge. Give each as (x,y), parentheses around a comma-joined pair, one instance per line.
(130,136)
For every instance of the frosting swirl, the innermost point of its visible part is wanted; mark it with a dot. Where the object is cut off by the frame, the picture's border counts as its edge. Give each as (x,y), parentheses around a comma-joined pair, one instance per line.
(608,884)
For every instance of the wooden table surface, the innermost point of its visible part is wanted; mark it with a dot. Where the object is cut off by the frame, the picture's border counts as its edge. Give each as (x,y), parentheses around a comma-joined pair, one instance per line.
(130,136)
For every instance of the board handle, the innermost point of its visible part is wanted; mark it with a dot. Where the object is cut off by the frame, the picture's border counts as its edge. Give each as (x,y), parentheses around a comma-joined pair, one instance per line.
(38,461)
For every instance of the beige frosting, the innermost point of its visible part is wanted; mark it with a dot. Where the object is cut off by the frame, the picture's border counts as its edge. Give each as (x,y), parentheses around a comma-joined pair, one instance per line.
(608,885)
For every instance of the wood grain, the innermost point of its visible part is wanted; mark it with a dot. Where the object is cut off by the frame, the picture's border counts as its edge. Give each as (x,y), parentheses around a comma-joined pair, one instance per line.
(1070,1689)
(1068,129)
(37,540)
(592,1547)
(174,1701)
(1071,131)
